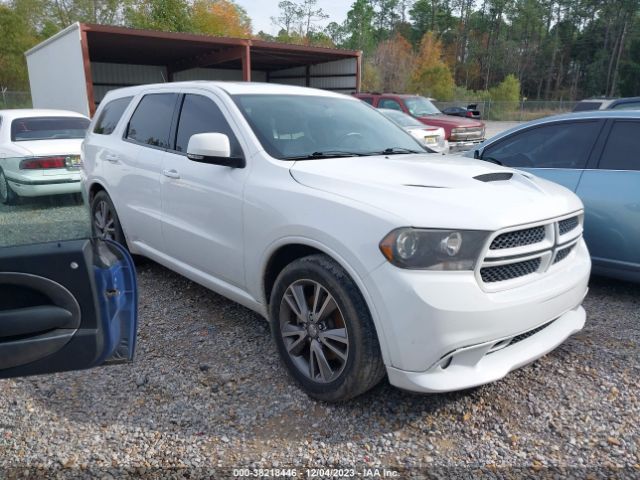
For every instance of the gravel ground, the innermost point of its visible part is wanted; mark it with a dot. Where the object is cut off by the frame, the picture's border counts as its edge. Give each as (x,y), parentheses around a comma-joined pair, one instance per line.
(50,218)
(207,392)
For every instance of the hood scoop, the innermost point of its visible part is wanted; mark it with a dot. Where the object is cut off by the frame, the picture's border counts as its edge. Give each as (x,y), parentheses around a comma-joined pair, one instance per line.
(494,177)
(422,186)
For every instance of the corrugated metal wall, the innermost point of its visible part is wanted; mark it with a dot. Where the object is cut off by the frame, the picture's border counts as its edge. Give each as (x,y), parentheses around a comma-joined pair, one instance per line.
(108,76)
(217,74)
(339,76)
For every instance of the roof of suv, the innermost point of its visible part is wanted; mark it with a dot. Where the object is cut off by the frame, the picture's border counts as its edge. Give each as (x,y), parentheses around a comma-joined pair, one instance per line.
(233,88)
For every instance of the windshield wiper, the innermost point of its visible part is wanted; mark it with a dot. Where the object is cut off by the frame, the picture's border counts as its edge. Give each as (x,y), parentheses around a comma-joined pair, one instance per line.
(395,151)
(326,154)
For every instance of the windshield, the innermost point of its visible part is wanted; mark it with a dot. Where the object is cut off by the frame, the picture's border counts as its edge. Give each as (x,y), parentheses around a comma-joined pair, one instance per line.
(292,127)
(420,106)
(47,128)
(401,118)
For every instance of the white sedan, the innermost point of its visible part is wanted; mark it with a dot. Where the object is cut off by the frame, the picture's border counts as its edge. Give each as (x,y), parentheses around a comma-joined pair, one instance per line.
(40,153)
(434,138)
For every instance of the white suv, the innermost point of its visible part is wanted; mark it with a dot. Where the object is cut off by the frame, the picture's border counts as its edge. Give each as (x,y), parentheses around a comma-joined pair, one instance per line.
(366,254)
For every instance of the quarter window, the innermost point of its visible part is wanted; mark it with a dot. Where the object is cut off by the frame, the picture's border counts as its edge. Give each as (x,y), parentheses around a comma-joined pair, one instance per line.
(110,115)
(560,145)
(151,122)
(200,114)
(622,151)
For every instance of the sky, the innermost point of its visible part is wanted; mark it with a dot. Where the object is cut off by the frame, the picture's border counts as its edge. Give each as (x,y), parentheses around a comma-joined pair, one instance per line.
(261,11)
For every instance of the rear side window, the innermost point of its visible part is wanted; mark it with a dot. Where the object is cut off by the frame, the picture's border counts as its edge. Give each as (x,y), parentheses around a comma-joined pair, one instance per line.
(48,128)
(622,151)
(200,114)
(560,145)
(368,100)
(110,115)
(151,122)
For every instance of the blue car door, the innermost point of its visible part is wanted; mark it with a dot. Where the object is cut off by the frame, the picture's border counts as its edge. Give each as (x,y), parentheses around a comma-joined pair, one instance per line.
(557,151)
(67,301)
(611,195)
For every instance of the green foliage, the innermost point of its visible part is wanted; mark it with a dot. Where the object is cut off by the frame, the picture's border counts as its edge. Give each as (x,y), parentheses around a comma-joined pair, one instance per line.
(506,91)
(15,41)
(431,77)
(164,15)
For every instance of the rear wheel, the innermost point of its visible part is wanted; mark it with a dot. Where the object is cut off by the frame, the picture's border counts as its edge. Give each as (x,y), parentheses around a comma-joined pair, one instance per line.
(104,219)
(7,195)
(323,330)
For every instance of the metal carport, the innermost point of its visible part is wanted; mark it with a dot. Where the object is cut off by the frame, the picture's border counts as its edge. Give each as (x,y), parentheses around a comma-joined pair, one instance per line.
(75,68)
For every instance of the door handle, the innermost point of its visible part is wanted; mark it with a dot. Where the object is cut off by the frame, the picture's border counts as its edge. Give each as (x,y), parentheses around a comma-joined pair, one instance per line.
(112,157)
(34,320)
(171,173)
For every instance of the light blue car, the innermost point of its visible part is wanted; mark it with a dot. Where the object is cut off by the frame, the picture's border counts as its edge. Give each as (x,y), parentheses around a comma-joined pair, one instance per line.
(597,155)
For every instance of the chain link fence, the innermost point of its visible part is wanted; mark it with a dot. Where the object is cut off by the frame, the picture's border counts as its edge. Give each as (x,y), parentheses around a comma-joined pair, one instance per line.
(513,111)
(10,99)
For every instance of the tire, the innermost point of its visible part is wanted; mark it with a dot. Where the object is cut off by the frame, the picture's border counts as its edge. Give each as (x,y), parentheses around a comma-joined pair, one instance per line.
(7,195)
(337,326)
(105,223)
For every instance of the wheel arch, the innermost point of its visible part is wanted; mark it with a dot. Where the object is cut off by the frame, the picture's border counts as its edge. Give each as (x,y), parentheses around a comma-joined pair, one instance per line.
(286,251)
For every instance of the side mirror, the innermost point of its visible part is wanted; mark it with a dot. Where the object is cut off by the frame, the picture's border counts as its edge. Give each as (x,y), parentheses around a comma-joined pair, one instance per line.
(213,148)
(476,154)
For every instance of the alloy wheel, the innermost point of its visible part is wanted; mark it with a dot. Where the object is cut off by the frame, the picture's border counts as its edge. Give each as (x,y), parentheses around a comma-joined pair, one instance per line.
(314,331)
(104,221)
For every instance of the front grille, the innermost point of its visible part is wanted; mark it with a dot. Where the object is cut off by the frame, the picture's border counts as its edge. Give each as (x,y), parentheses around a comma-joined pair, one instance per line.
(518,238)
(565,226)
(510,271)
(562,254)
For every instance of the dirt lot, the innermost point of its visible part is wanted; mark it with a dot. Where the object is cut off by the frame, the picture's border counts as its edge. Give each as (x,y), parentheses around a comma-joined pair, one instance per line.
(207,394)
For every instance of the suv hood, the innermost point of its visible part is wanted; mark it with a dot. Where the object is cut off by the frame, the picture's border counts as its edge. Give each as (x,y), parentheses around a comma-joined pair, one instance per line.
(440,191)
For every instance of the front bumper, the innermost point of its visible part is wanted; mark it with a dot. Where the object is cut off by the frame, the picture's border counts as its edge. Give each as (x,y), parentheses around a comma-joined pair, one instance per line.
(427,317)
(478,364)
(463,145)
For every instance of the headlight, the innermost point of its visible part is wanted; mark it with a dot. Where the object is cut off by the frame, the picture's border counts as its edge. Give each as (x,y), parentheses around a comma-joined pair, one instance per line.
(416,248)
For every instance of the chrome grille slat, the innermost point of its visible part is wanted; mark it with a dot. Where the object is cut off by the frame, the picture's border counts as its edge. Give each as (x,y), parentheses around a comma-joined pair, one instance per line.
(510,271)
(514,255)
(518,238)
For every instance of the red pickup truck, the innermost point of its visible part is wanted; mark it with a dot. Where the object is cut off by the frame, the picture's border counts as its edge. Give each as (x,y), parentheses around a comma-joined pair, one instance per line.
(462,133)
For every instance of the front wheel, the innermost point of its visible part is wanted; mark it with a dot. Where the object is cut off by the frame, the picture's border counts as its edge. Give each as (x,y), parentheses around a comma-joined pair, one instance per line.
(323,330)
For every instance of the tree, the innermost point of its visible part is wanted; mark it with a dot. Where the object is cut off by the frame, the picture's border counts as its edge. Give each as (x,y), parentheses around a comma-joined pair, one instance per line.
(359,26)
(289,18)
(431,76)
(220,18)
(506,91)
(164,15)
(309,16)
(393,60)
(16,39)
